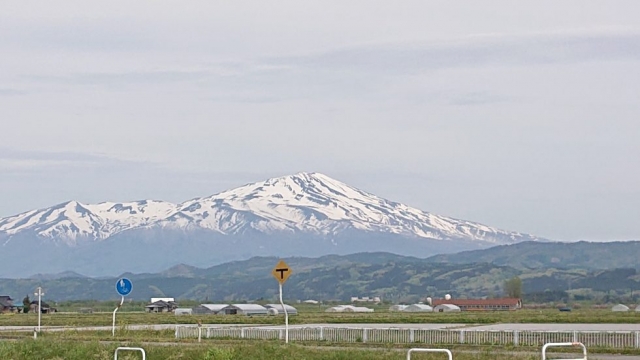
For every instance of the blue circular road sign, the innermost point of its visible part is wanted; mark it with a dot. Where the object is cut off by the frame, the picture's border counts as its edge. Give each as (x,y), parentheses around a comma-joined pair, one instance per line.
(124,286)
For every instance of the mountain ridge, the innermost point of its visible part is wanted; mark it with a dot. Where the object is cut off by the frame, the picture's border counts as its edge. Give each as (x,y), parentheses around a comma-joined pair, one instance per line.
(394,277)
(305,214)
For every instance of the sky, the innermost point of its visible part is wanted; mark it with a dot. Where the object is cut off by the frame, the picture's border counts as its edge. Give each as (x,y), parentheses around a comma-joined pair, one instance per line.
(522,116)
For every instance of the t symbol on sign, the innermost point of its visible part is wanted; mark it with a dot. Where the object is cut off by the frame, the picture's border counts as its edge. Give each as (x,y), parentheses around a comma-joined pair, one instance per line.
(282,271)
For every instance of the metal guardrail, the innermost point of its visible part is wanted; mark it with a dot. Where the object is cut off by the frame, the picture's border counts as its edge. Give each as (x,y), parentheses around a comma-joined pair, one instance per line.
(609,339)
(446,351)
(124,348)
(572,344)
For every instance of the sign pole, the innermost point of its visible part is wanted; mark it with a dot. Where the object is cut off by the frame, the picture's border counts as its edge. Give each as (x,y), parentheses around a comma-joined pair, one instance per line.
(281,273)
(123,288)
(39,293)
(113,329)
(286,318)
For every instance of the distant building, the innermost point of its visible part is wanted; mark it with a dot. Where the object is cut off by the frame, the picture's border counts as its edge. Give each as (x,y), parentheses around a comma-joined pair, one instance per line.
(183,311)
(620,308)
(243,309)
(209,308)
(46,308)
(375,299)
(446,308)
(348,308)
(418,308)
(167,299)
(161,306)
(279,309)
(6,304)
(482,304)
(397,307)
(310,301)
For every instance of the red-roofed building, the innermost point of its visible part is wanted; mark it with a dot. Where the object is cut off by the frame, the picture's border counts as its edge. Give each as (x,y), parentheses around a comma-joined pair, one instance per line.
(482,304)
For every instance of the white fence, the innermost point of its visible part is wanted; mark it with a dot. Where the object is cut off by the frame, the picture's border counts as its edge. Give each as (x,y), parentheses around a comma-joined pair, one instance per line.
(608,339)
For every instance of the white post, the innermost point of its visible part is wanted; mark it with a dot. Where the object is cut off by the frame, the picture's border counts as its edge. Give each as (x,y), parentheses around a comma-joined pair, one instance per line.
(113,329)
(39,294)
(286,318)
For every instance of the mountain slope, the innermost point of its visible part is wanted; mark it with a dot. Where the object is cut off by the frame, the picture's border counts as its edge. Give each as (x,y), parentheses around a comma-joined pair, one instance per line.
(306,214)
(578,255)
(316,203)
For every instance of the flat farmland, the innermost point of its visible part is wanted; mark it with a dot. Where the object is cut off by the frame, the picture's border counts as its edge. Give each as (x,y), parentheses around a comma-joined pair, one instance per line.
(317,316)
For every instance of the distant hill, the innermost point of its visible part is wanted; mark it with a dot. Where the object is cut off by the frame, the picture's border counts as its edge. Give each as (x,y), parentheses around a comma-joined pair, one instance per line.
(539,255)
(392,277)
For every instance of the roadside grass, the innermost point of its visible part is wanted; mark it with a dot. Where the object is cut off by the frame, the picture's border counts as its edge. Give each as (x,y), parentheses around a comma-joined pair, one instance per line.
(151,338)
(51,349)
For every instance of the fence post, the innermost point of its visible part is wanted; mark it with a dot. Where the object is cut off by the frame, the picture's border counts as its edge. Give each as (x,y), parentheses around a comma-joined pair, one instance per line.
(242,333)
(364,335)
(412,335)
(516,341)
(281,334)
(461,336)
(321,333)
(575,336)
(637,339)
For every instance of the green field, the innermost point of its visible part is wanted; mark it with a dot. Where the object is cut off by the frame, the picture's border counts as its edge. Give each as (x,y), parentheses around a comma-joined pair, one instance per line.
(317,316)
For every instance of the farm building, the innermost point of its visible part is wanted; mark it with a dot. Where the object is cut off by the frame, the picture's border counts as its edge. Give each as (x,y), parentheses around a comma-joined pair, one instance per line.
(46,308)
(279,310)
(397,307)
(243,309)
(620,308)
(446,308)
(312,302)
(209,308)
(183,311)
(418,308)
(348,308)
(638,308)
(166,299)
(161,306)
(482,304)
(6,304)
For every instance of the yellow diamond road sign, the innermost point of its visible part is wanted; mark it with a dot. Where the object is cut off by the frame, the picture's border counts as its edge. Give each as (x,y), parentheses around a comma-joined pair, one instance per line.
(281,272)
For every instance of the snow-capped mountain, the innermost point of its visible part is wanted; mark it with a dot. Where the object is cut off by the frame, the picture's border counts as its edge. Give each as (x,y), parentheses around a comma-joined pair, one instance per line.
(301,214)
(71,221)
(315,203)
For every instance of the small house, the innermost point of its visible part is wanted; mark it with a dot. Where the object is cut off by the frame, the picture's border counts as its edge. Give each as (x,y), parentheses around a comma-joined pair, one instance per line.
(161,306)
(6,304)
(243,309)
(280,310)
(46,308)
